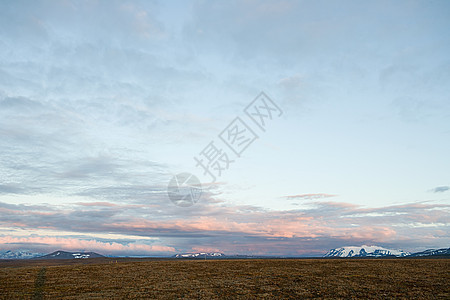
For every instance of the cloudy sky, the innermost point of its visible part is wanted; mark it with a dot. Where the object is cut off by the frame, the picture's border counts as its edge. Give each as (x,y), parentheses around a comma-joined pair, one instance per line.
(102,102)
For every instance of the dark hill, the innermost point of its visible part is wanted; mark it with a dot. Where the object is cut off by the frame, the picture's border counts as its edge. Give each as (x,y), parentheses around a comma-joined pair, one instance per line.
(69,255)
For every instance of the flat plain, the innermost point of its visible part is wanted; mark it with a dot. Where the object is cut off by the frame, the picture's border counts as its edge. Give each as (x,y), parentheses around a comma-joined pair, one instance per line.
(225,279)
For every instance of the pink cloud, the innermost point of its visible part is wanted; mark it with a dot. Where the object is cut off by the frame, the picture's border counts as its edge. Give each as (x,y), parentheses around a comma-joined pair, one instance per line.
(273,225)
(205,249)
(221,226)
(81,244)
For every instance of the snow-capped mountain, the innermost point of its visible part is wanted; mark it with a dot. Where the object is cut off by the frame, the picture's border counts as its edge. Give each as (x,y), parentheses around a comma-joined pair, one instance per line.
(432,252)
(365,251)
(200,255)
(18,254)
(70,255)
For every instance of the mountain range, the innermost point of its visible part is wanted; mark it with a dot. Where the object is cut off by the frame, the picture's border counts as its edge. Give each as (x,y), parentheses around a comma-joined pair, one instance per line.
(26,254)
(69,255)
(18,254)
(342,252)
(433,252)
(365,251)
(376,251)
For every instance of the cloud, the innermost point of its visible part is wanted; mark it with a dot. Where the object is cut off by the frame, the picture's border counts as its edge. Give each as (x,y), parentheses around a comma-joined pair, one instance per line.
(72,244)
(310,196)
(106,204)
(440,189)
(291,82)
(96,95)
(129,20)
(68,142)
(245,229)
(291,31)
(10,189)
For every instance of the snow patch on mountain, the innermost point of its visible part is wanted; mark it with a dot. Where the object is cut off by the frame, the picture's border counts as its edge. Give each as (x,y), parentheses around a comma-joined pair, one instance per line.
(199,254)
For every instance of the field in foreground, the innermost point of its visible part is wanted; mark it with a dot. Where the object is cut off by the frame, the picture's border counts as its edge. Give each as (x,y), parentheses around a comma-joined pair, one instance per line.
(218,279)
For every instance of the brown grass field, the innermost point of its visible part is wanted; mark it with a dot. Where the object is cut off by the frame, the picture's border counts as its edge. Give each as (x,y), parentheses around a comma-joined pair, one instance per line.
(226,279)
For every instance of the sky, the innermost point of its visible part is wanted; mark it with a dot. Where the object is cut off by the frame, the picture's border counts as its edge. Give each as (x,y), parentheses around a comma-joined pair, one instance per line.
(103,102)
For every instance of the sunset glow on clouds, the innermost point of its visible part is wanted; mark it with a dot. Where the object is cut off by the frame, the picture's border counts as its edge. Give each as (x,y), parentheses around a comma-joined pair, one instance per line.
(102,102)
(301,231)
(91,245)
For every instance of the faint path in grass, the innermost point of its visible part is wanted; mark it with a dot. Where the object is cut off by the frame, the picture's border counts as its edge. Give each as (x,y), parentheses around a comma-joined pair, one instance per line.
(39,285)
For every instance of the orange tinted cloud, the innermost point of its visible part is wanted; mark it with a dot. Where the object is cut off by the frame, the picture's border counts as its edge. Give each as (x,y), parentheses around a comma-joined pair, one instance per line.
(80,244)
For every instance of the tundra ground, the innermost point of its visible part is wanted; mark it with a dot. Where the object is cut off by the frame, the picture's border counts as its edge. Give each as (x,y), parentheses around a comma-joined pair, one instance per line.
(226,279)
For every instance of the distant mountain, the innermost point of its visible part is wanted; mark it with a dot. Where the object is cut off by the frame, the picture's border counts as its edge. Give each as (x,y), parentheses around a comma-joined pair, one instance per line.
(70,255)
(199,255)
(432,252)
(18,254)
(365,251)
